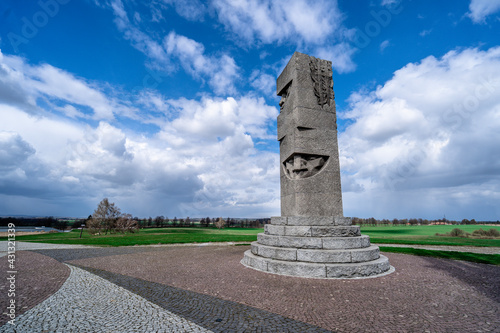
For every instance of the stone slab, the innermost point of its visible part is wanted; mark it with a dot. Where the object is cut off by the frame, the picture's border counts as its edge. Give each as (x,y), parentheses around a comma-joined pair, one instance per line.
(280,253)
(336,231)
(354,270)
(317,270)
(333,243)
(329,243)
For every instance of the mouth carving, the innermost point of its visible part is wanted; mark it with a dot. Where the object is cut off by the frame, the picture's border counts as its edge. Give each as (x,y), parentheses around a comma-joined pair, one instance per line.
(299,166)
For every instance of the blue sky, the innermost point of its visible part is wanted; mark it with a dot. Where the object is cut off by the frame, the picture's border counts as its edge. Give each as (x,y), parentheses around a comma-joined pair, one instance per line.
(169,107)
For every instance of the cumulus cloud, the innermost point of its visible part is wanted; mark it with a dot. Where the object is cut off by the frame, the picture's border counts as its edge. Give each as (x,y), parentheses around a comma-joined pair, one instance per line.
(480,9)
(13,150)
(277,21)
(435,125)
(204,160)
(221,71)
(25,85)
(341,56)
(192,10)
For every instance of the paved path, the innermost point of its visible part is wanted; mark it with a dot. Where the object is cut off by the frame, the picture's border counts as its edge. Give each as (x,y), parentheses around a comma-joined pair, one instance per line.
(88,303)
(205,288)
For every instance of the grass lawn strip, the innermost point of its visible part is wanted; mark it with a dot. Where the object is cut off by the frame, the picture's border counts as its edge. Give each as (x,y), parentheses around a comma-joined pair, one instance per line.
(492,259)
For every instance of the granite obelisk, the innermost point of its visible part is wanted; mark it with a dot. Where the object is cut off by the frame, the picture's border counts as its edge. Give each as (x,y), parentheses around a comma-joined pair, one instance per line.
(311,238)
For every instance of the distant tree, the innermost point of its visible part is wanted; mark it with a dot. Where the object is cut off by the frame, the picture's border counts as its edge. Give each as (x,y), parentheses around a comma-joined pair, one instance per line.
(159,221)
(108,218)
(104,217)
(125,223)
(174,221)
(188,222)
(150,221)
(220,223)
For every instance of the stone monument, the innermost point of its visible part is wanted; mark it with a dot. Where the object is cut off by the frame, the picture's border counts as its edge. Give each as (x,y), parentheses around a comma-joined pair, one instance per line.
(311,238)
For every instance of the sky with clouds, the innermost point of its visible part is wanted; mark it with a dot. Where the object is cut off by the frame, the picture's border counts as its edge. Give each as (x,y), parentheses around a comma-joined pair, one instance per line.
(168,107)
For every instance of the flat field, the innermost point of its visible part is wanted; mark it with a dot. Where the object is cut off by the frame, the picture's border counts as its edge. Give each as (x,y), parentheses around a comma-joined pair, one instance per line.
(147,237)
(426,235)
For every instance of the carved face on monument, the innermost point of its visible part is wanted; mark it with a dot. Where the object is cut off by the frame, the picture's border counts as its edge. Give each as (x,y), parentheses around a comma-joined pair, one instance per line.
(300,166)
(284,96)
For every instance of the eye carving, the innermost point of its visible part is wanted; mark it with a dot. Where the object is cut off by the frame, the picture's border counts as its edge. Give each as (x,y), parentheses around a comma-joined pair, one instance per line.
(299,166)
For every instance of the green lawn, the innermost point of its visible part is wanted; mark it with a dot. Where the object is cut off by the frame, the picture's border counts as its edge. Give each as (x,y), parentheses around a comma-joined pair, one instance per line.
(492,259)
(426,235)
(147,237)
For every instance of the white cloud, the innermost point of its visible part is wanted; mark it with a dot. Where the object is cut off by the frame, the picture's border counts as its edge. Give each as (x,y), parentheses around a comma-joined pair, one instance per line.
(203,161)
(221,72)
(192,10)
(480,9)
(263,82)
(431,130)
(341,56)
(384,45)
(13,150)
(278,21)
(25,85)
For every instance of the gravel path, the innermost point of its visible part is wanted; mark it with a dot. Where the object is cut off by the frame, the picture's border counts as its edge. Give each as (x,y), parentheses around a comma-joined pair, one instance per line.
(88,303)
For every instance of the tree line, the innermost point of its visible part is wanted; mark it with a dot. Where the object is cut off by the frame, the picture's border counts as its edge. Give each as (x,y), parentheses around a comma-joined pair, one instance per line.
(165,222)
(414,221)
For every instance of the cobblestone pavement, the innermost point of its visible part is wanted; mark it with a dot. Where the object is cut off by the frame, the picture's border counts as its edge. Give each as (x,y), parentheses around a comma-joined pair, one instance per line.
(208,287)
(88,303)
(38,278)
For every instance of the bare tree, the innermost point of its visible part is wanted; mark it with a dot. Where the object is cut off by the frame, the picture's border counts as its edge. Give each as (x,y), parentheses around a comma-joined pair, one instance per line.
(220,223)
(108,217)
(125,223)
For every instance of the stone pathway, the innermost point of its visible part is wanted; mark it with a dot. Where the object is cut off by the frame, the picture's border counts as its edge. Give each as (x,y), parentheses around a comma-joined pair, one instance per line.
(88,303)
(28,246)
(206,289)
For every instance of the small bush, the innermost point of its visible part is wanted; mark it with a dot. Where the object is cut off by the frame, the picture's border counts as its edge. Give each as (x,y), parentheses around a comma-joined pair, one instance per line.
(455,233)
(458,233)
(486,233)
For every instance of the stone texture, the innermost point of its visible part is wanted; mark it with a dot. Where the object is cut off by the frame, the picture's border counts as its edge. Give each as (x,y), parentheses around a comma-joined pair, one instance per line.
(357,270)
(280,253)
(306,127)
(311,238)
(338,231)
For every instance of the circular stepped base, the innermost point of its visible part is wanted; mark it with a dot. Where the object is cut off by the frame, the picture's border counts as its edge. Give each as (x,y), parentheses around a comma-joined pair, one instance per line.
(371,268)
(317,255)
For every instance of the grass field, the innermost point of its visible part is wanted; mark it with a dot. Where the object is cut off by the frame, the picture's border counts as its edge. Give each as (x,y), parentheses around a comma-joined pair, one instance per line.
(147,237)
(424,235)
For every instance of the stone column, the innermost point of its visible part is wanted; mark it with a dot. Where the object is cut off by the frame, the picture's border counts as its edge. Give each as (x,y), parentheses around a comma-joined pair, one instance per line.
(307,132)
(311,238)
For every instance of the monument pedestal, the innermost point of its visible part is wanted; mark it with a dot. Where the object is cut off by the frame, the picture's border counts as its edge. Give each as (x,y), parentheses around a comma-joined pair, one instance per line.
(315,247)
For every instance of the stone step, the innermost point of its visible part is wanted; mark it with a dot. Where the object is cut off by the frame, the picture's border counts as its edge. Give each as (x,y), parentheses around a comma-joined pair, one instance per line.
(311,220)
(371,268)
(316,255)
(312,231)
(328,243)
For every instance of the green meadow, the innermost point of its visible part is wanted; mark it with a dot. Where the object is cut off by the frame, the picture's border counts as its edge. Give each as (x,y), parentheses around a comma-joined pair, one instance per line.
(422,235)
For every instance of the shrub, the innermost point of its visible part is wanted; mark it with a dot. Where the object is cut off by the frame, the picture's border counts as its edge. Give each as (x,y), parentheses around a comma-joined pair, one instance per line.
(458,233)
(486,233)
